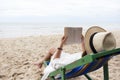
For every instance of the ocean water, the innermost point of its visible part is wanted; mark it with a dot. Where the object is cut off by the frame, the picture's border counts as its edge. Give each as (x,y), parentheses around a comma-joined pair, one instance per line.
(20,30)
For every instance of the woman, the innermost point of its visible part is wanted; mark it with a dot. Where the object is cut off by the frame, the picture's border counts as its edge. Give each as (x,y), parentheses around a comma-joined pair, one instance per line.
(59,58)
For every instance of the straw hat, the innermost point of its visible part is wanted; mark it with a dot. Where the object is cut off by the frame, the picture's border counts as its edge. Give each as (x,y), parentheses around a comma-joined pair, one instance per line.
(97,39)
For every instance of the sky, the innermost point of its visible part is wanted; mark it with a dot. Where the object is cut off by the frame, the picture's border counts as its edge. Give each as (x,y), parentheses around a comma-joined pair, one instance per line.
(60,11)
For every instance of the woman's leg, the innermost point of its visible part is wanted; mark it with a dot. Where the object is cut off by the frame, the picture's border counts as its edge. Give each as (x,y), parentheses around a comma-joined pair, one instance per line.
(49,54)
(46,57)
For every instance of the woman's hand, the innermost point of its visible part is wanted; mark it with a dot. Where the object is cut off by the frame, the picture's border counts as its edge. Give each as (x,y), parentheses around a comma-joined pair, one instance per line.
(82,43)
(82,38)
(63,40)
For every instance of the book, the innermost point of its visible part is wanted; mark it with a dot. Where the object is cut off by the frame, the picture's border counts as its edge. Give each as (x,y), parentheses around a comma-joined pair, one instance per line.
(73,34)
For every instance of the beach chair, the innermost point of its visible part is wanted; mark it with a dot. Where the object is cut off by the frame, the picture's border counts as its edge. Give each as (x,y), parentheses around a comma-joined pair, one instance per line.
(86,64)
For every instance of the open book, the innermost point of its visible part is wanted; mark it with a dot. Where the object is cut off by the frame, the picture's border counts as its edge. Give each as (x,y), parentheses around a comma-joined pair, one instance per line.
(73,34)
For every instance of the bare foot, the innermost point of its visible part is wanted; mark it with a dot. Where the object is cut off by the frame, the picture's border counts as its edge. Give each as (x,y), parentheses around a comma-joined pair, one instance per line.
(39,64)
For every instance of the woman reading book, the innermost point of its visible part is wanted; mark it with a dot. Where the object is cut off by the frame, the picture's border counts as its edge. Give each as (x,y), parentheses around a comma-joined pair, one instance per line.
(93,34)
(59,58)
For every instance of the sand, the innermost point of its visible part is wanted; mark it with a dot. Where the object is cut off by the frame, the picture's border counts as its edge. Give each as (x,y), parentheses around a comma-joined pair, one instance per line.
(17,56)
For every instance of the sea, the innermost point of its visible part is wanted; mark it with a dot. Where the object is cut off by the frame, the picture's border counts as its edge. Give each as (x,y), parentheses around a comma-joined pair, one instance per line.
(12,30)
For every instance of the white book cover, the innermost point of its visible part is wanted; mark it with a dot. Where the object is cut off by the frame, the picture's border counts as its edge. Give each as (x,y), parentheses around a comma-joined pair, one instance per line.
(73,34)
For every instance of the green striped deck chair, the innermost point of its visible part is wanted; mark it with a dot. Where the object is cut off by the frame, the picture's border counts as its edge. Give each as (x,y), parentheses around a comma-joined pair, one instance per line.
(86,64)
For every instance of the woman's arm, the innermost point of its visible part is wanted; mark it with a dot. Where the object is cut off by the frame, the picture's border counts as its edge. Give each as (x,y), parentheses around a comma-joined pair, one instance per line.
(59,49)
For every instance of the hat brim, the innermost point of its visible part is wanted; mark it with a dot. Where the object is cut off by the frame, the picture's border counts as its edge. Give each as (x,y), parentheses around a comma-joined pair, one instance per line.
(89,33)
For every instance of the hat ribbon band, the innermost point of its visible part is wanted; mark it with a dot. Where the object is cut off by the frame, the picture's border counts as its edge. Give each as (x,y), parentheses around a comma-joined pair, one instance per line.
(91,43)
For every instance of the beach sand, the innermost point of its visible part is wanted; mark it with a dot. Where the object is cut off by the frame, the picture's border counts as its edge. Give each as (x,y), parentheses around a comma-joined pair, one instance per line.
(17,56)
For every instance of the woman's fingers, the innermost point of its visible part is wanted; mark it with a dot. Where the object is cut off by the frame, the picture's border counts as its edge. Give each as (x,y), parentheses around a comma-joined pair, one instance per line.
(64,38)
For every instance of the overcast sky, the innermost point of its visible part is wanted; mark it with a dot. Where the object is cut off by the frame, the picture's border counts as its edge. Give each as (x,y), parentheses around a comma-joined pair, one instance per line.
(60,11)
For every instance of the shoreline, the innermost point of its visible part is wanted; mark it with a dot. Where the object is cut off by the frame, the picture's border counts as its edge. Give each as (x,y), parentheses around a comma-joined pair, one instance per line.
(41,34)
(22,36)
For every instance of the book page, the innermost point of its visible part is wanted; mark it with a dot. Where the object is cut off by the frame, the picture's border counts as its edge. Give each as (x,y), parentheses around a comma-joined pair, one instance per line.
(73,34)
